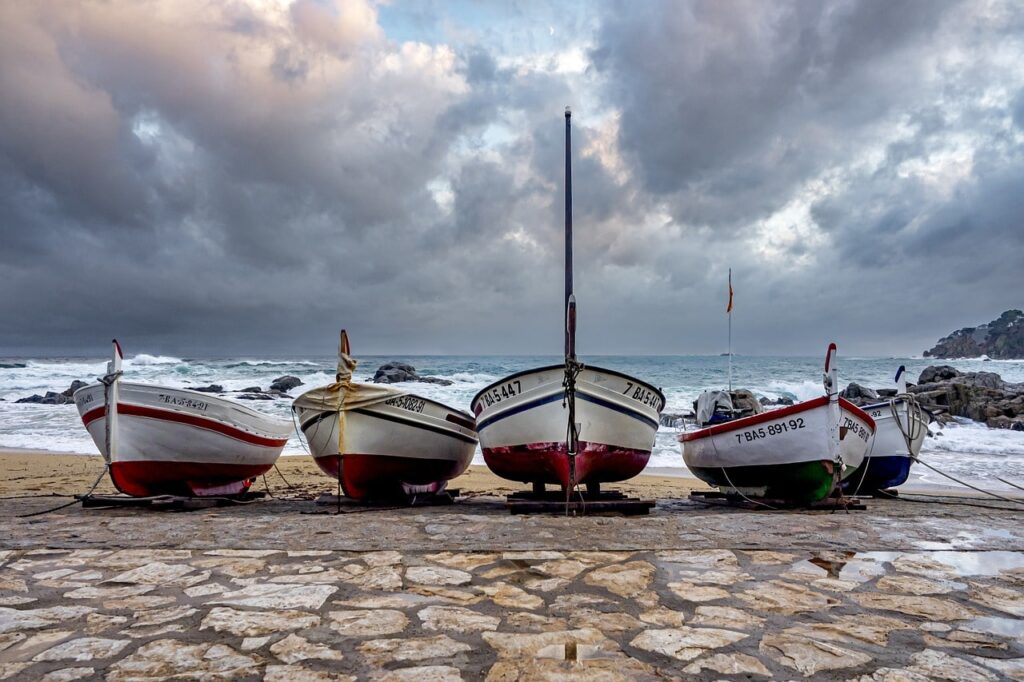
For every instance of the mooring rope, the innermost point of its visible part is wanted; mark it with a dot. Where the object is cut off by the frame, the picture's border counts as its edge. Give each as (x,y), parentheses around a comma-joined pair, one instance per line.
(77,499)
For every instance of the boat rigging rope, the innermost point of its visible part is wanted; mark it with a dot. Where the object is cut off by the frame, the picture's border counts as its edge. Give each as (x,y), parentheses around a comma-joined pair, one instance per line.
(572,434)
(947,499)
(77,499)
(965,484)
(912,432)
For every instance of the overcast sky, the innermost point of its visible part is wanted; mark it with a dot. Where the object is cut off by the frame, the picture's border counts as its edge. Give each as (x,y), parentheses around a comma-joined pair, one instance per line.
(239,177)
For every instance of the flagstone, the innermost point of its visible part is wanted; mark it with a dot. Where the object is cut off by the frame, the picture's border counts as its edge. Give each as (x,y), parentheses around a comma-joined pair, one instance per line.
(892,675)
(626,580)
(278,596)
(915,584)
(234,567)
(523,644)
(862,627)
(511,596)
(294,648)
(131,558)
(532,556)
(545,584)
(83,649)
(729,664)
(16,600)
(423,673)
(467,561)
(786,598)
(164,658)
(9,639)
(378,578)
(604,621)
(8,670)
(436,575)
(562,568)
(155,630)
(726,617)
(697,593)
(942,666)
(137,603)
(711,576)
(381,558)
(923,566)
(308,552)
(501,571)
(156,573)
(456,619)
(30,619)
(391,600)
(109,592)
(768,557)
(1000,598)
(707,558)
(966,641)
(255,623)
(685,643)
(298,673)
(532,622)
(158,617)
(330,576)
(96,623)
(205,590)
(1011,668)
(413,648)
(663,616)
(367,622)
(253,643)
(809,656)
(247,553)
(932,608)
(570,602)
(67,674)
(447,594)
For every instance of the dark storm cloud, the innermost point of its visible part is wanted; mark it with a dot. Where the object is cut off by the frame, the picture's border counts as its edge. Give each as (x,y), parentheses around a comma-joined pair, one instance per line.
(233,179)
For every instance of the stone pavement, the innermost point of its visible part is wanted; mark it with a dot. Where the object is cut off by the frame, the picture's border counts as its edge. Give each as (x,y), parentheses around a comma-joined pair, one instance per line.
(468,592)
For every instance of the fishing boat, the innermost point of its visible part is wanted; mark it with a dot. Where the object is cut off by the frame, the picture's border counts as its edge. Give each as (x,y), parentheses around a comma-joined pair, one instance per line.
(568,424)
(379,441)
(800,452)
(157,440)
(901,427)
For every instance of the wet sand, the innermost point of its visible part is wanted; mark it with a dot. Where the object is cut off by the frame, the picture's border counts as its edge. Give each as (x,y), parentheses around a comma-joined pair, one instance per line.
(283,589)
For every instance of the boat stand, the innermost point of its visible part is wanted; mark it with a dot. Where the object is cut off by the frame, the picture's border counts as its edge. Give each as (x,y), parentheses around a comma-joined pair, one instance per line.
(582,503)
(712,497)
(167,502)
(439,499)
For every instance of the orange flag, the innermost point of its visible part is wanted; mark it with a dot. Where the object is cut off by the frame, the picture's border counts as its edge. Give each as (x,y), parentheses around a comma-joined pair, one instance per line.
(729,308)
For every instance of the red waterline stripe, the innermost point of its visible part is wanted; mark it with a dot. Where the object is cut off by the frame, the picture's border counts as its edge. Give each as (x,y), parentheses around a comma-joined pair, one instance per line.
(191,420)
(776,414)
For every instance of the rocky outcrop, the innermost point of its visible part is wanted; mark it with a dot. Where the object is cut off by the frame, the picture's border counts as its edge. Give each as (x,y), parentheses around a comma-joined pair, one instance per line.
(212,388)
(285,383)
(12,365)
(981,396)
(859,395)
(54,398)
(1002,339)
(397,372)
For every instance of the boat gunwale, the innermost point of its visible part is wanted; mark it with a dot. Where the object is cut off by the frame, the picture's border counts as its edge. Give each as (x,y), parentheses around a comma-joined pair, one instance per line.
(753,419)
(245,409)
(464,413)
(621,375)
(326,413)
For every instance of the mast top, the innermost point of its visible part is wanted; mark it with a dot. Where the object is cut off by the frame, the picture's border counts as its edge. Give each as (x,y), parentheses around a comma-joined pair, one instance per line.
(568,112)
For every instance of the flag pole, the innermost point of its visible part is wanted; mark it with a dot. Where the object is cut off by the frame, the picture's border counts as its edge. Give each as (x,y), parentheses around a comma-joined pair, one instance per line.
(729,311)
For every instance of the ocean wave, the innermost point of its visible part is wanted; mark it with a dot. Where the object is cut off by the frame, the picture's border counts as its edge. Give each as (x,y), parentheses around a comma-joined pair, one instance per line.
(145,359)
(469,377)
(794,390)
(271,363)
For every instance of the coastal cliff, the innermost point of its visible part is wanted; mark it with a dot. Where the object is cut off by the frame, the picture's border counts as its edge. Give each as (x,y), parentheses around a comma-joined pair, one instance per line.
(1001,339)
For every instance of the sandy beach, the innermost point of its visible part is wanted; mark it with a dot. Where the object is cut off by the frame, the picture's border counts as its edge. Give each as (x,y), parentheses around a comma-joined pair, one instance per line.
(40,472)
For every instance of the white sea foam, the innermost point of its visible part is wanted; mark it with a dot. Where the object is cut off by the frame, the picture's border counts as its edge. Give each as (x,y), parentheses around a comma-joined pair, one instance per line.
(144,359)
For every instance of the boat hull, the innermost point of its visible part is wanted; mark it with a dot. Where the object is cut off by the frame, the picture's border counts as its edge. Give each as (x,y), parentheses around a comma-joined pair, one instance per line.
(523,426)
(402,446)
(781,454)
(179,442)
(889,457)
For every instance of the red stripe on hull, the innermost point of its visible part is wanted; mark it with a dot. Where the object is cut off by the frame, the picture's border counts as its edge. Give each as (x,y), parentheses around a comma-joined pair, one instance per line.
(381,476)
(549,463)
(199,422)
(143,479)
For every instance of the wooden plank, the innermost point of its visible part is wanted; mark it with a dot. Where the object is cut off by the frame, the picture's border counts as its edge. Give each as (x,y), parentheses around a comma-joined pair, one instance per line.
(167,502)
(735,500)
(443,498)
(611,502)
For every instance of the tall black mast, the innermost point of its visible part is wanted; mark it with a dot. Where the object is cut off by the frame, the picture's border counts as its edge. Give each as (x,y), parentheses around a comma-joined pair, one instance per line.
(570,301)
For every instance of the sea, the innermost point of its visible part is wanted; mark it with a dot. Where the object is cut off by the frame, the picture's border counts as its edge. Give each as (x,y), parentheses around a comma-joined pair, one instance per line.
(966,450)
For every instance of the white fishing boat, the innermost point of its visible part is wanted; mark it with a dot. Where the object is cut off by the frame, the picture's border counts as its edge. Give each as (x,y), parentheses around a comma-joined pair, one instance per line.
(379,441)
(568,424)
(900,429)
(800,452)
(172,441)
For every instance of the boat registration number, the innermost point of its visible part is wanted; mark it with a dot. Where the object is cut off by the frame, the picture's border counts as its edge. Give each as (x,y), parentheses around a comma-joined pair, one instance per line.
(407,402)
(644,396)
(179,401)
(771,430)
(856,429)
(503,392)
